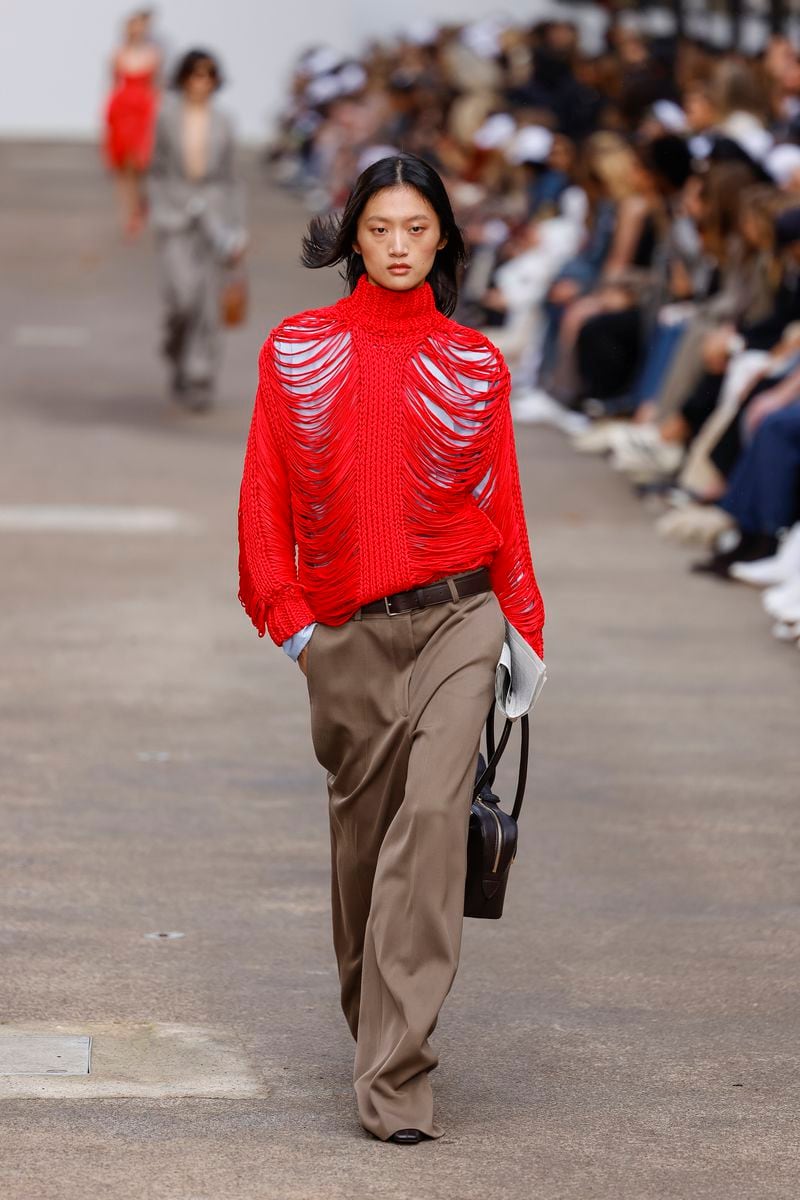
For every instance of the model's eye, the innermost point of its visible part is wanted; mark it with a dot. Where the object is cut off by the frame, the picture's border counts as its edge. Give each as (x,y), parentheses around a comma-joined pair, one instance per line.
(379,229)
(418,228)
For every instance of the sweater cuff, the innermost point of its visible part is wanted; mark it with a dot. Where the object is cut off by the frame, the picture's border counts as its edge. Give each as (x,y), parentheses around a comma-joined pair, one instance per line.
(288,614)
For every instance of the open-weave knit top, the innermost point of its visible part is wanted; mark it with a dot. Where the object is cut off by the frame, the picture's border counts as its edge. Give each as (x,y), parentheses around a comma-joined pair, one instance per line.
(380,457)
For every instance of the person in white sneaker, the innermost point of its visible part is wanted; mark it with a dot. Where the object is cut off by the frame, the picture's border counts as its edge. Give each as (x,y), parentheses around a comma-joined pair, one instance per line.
(780,568)
(694,524)
(762,495)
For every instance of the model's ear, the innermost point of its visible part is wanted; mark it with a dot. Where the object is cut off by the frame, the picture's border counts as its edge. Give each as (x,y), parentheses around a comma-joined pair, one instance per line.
(356,249)
(442,243)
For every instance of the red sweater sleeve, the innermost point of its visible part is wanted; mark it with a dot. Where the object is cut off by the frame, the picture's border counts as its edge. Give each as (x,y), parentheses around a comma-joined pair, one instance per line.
(511,571)
(268,586)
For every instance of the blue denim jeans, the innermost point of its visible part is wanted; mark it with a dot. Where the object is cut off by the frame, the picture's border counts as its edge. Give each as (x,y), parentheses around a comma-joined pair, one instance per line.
(764,491)
(660,352)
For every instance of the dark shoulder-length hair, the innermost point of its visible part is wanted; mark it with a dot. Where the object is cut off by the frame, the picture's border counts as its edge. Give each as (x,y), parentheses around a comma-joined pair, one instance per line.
(329,239)
(192,59)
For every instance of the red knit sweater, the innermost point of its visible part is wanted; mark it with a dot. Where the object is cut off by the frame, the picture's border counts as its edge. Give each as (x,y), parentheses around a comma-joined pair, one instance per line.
(381,457)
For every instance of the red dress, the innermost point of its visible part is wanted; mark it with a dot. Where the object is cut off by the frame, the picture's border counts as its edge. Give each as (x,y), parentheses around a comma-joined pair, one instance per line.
(131,119)
(381,456)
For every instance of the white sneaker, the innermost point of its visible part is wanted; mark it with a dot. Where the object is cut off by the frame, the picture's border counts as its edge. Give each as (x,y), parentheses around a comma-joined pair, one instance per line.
(790,613)
(694,524)
(779,568)
(676,497)
(784,595)
(596,439)
(632,435)
(645,463)
(786,631)
(640,451)
(532,406)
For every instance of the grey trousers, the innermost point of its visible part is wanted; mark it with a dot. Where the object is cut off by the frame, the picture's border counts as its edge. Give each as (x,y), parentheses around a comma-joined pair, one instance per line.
(397,707)
(191,281)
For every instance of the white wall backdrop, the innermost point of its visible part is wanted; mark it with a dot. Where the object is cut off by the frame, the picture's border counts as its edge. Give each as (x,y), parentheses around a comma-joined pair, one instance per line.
(55,52)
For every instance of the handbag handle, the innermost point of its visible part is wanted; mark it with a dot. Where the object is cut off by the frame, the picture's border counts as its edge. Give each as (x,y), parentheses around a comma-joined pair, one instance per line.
(495,753)
(522,778)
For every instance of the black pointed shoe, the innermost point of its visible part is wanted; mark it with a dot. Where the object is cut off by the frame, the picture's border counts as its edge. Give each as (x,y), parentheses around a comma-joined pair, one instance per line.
(406,1137)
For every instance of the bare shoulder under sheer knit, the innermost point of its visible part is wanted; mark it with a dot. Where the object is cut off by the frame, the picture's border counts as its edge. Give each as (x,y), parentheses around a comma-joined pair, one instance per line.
(381,457)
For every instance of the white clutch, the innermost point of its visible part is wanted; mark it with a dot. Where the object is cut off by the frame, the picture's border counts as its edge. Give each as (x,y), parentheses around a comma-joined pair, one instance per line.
(520,676)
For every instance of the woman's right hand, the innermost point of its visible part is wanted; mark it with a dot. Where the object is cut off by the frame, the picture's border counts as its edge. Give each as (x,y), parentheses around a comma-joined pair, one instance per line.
(302,658)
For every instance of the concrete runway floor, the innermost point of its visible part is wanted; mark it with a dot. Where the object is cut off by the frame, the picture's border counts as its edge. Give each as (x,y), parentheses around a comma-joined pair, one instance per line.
(628,1031)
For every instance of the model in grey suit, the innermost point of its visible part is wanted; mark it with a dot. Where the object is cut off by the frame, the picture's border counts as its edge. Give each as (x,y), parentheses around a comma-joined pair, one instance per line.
(199,226)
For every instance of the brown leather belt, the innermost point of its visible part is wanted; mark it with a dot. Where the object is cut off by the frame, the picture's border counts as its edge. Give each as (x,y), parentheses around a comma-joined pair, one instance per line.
(454,587)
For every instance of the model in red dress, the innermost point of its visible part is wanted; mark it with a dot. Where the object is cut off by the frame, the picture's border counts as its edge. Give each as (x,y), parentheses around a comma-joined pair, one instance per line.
(131,115)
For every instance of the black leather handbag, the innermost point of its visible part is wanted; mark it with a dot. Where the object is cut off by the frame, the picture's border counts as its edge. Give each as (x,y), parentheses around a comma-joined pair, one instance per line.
(492,838)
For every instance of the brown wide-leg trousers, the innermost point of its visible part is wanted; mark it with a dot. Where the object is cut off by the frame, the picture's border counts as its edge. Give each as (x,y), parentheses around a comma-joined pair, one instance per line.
(397,707)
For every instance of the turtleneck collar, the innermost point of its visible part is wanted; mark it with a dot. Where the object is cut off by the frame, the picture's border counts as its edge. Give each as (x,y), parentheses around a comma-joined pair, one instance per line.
(388,312)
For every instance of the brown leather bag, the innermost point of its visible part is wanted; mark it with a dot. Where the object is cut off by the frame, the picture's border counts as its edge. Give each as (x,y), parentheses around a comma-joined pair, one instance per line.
(233,301)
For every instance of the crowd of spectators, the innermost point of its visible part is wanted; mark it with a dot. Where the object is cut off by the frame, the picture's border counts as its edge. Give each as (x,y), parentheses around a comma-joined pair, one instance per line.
(633,222)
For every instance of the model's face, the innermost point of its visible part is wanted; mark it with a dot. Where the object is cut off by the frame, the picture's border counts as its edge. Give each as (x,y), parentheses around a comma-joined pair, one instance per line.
(201,83)
(138,29)
(397,236)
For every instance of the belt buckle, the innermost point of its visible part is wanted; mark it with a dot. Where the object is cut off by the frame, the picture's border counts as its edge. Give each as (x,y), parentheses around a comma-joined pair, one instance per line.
(387,603)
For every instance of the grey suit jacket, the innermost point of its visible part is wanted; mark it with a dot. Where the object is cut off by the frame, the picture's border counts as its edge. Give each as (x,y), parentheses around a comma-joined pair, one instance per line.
(179,204)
